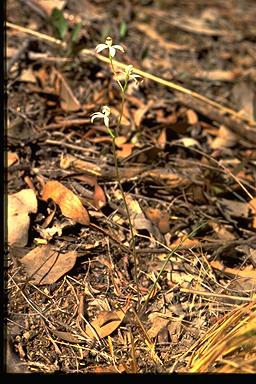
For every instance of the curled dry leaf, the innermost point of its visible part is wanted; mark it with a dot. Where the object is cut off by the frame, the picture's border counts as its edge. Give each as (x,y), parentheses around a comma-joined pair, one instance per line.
(105,323)
(68,202)
(19,206)
(45,265)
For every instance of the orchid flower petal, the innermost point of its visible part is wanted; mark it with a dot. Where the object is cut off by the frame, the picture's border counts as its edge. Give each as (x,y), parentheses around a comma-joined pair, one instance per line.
(119,47)
(112,51)
(106,110)
(97,115)
(100,47)
(106,121)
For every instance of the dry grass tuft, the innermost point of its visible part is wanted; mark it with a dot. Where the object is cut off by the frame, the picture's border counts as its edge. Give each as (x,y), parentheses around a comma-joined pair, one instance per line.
(233,337)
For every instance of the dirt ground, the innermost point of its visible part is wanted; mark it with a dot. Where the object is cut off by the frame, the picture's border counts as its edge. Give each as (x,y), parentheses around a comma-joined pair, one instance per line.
(169,286)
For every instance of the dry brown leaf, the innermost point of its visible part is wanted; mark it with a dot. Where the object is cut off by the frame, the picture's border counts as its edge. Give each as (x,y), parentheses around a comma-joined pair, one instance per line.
(43,77)
(49,5)
(225,139)
(109,369)
(10,51)
(158,323)
(141,111)
(161,141)
(45,265)
(99,196)
(147,155)
(164,223)
(192,117)
(170,178)
(252,205)
(67,336)
(12,158)
(153,214)
(243,285)
(80,165)
(106,323)
(48,233)
(146,28)
(159,218)
(218,75)
(138,217)
(20,204)
(135,100)
(120,140)
(103,139)
(188,142)
(125,121)
(222,231)
(174,329)
(198,25)
(235,208)
(246,272)
(184,242)
(28,75)
(69,102)
(125,151)
(244,97)
(70,204)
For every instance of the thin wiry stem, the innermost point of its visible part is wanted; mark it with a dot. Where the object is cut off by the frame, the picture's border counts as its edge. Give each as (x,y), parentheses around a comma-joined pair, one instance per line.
(118,176)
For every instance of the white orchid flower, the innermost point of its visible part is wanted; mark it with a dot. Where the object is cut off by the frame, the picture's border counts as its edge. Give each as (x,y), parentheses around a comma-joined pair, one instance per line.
(130,75)
(127,75)
(104,114)
(108,45)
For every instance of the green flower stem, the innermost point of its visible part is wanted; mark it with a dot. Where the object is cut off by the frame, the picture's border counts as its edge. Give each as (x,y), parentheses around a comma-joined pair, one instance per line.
(123,89)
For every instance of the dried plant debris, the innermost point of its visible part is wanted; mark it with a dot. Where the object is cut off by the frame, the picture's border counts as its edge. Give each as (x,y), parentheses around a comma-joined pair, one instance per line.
(130,187)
